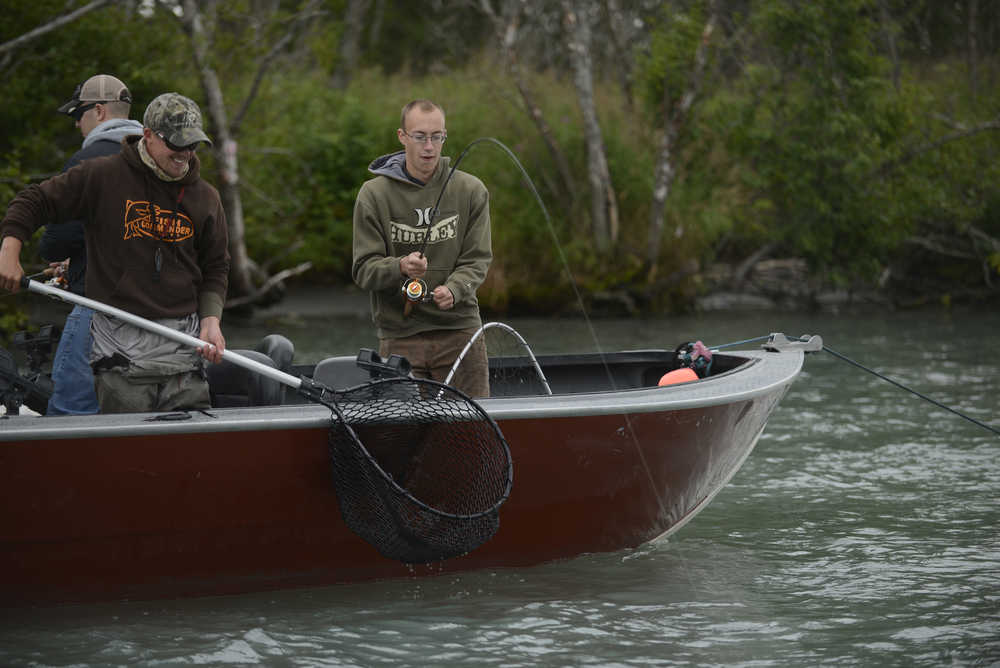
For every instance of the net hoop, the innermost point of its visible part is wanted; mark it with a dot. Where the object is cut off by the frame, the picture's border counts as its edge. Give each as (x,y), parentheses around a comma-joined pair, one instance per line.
(420,469)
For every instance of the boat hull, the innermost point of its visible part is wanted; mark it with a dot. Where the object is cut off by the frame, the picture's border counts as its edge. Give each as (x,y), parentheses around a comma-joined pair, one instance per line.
(206,507)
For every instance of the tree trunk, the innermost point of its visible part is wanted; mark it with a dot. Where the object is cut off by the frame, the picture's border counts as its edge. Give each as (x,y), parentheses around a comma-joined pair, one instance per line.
(375,33)
(350,43)
(889,29)
(224,149)
(972,28)
(603,206)
(620,39)
(674,114)
(507,32)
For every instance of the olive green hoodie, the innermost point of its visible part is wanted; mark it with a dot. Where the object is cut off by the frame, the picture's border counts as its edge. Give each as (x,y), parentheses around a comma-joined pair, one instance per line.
(391,221)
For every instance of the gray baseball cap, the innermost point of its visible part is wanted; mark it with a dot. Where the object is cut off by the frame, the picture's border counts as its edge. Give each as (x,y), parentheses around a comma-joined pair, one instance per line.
(176,118)
(98,88)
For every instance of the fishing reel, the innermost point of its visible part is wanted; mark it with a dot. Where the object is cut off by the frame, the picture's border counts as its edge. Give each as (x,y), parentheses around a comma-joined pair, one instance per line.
(696,356)
(415,290)
(39,346)
(34,388)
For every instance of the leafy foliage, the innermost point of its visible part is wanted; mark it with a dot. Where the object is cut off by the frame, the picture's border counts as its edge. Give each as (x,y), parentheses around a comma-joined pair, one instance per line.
(809,133)
(814,117)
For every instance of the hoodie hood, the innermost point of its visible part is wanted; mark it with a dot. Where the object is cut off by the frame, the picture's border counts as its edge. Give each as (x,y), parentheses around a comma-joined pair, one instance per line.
(114,129)
(393,166)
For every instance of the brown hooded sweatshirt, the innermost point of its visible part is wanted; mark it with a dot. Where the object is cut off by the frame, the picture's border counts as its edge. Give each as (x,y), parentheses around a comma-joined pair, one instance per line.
(157,249)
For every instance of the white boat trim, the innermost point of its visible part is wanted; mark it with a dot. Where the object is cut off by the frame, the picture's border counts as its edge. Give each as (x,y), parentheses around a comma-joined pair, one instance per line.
(765,372)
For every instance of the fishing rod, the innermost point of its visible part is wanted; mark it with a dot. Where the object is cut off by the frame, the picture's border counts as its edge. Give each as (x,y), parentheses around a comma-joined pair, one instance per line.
(419,288)
(418,291)
(415,289)
(451,173)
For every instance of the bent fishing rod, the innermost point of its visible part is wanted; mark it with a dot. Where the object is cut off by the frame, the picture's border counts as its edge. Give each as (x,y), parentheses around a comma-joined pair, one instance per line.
(415,289)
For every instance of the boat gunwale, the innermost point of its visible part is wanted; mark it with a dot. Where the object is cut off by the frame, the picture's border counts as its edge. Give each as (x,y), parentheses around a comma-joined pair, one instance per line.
(762,374)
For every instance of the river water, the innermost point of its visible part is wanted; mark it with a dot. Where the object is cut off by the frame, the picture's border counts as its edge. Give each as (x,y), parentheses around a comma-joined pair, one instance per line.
(862,531)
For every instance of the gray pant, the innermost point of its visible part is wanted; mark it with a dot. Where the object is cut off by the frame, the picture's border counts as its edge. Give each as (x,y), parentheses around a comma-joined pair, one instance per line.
(118,393)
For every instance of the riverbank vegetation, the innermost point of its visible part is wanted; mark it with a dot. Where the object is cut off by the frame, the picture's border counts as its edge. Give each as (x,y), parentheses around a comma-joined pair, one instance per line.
(680,148)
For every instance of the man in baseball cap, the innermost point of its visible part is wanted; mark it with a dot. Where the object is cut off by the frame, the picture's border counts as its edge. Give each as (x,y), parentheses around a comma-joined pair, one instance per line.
(103,121)
(176,120)
(157,246)
(101,88)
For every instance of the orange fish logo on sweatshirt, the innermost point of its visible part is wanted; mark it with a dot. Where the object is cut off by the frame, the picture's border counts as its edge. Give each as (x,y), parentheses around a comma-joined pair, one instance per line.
(163,225)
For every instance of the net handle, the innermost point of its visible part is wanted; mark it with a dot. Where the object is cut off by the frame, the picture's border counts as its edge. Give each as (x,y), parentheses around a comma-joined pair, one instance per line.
(166,332)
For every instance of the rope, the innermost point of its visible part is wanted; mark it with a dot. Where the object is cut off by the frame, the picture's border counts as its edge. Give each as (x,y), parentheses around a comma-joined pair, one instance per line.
(739,343)
(877,375)
(911,391)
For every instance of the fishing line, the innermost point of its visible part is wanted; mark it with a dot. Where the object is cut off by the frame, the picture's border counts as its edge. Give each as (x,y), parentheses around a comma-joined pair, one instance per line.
(549,225)
(743,342)
(861,366)
(572,281)
(545,213)
(573,285)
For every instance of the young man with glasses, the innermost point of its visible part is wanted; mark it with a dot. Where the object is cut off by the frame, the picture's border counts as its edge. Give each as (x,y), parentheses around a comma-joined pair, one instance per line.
(99,107)
(158,248)
(399,236)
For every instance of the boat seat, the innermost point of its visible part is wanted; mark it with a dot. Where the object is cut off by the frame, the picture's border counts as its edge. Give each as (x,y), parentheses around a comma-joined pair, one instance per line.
(279,349)
(340,373)
(231,385)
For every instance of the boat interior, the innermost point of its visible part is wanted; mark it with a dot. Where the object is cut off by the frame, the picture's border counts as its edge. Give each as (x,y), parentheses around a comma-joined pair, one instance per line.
(510,375)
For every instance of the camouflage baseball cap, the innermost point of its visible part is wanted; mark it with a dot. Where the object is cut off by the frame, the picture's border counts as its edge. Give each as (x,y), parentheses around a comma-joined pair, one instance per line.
(98,88)
(176,118)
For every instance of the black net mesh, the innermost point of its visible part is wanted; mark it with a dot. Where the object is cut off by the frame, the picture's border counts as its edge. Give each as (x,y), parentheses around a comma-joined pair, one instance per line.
(420,469)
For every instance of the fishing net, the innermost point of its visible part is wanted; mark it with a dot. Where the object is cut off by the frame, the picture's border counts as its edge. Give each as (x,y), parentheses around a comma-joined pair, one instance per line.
(420,469)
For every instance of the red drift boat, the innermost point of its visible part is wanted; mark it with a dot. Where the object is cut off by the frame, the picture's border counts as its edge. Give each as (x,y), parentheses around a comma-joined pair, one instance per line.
(240,498)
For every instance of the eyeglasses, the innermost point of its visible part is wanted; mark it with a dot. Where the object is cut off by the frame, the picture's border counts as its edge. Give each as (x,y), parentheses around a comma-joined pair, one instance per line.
(78,112)
(421,138)
(175,147)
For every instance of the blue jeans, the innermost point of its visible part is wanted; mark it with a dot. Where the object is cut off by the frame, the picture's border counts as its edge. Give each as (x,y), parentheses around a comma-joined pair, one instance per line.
(71,373)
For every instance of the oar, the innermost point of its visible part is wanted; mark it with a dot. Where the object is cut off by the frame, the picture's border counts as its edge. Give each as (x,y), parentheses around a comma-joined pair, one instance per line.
(304,385)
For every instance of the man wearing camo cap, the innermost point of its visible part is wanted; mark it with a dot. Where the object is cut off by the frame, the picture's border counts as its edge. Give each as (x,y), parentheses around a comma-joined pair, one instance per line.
(157,247)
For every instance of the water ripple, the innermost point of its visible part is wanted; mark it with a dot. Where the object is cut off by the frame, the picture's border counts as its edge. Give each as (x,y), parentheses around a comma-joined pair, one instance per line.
(862,531)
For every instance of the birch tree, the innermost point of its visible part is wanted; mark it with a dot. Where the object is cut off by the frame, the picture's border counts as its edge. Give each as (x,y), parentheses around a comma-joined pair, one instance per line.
(508,20)
(350,42)
(676,108)
(578,16)
(198,21)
